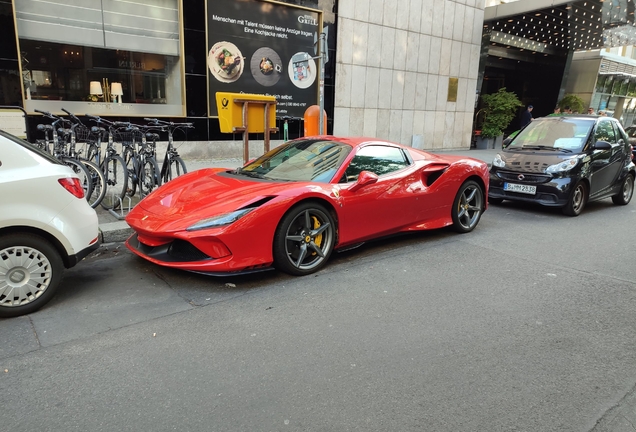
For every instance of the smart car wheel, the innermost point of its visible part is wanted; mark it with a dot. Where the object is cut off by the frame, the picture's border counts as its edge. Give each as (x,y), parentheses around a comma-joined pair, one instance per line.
(577,200)
(468,207)
(304,239)
(627,190)
(30,271)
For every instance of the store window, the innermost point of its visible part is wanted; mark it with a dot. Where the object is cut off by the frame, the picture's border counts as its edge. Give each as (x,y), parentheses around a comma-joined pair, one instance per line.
(107,57)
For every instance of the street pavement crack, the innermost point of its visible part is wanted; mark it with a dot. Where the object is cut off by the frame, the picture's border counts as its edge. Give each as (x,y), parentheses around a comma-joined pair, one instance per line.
(625,405)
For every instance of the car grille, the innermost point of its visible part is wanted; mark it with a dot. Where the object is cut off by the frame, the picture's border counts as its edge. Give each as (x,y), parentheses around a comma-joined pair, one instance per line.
(183,251)
(527,178)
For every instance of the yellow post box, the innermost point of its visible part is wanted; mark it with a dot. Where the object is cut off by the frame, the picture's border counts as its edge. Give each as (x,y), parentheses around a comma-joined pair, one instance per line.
(230,107)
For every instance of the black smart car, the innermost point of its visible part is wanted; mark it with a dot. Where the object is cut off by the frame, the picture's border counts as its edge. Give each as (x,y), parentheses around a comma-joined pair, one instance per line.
(565,161)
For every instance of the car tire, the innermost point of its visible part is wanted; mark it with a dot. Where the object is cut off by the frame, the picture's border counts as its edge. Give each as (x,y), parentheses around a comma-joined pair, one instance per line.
(468,207)
(304,239)
(495,201)
(576,202)
(626,193)
(30,272)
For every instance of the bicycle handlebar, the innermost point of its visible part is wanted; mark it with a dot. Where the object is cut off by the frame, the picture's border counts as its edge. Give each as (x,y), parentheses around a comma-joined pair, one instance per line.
(44,113)
(71,115)
(165,123)
(98,120)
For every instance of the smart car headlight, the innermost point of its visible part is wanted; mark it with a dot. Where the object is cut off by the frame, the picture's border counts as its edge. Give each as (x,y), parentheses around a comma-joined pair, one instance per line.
(498,161)
(221,220)
(564,166)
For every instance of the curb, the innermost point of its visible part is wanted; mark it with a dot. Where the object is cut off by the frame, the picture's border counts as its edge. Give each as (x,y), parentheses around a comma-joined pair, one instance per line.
(114,232)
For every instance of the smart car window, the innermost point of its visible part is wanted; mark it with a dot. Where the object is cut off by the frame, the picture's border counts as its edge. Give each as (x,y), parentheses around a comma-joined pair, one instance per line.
(376,159)
(604,132)
(563,134)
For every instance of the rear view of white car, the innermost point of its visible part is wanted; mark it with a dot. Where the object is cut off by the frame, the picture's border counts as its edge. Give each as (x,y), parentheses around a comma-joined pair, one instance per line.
(46,225)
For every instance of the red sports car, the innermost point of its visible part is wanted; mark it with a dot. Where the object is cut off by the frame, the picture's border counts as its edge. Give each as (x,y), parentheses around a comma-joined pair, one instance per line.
(293,206)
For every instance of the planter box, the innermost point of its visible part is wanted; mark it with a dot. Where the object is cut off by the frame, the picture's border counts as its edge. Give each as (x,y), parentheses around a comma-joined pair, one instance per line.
(489,143)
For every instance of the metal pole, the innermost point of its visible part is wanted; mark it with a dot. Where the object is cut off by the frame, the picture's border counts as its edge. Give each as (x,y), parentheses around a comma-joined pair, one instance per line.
(246,138)
(267,130)
(322,83)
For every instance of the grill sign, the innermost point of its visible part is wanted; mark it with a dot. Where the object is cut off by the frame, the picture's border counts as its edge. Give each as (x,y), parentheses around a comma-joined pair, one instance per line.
(250,47)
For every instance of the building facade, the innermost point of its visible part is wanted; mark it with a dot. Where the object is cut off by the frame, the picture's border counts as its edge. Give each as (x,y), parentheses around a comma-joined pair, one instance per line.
(606,80)
(402,71)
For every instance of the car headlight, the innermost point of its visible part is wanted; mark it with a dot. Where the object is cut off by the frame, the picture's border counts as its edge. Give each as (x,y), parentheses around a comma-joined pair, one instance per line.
(566,165)
(217,221)
(498,161)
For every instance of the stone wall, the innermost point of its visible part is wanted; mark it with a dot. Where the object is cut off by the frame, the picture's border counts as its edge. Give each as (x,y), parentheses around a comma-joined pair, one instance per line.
(393,64)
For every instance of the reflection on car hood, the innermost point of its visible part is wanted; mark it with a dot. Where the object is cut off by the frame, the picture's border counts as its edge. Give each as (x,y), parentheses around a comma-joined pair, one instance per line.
(210,191)
(532,161)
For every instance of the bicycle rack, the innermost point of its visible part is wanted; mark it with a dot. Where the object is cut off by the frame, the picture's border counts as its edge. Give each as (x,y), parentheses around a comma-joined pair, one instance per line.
(121,214)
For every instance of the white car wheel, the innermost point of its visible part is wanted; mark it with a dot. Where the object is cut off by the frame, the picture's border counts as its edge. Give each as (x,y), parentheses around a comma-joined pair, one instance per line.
(30,271)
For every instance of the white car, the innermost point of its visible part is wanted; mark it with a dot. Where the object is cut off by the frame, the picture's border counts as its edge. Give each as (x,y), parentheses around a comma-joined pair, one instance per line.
(46,225)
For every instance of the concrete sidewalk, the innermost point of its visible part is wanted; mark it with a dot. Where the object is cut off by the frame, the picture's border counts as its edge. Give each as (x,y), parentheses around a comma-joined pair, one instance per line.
(114,229)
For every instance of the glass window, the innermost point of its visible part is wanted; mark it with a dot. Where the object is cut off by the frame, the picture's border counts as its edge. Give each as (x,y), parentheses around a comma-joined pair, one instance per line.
(114,61)
(607,85)
(376,159)
(600,83)
(299,160)
(605,131)
(558,132)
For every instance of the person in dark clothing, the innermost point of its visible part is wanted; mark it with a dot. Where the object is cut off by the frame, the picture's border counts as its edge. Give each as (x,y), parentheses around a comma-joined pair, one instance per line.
(526,116)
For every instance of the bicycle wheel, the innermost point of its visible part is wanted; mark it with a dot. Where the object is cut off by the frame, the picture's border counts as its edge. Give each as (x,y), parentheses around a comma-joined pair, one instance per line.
(93,154)
(98,180)
(131,166)
(174,169)
(148,176)
(116,182)
(82,172)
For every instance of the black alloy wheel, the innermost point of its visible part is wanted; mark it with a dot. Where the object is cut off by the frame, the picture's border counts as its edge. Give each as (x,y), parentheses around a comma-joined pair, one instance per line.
(468,207)
(304,239)
(627,191)
(577,200)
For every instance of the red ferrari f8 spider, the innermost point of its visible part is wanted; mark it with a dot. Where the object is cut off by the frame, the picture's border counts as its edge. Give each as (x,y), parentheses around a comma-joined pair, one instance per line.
(292,207)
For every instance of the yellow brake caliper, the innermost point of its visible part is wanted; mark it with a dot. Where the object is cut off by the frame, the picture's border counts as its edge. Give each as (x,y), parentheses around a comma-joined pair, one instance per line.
(318,239)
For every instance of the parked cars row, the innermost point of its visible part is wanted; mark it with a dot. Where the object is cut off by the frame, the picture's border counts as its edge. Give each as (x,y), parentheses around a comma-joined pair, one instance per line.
(294,206)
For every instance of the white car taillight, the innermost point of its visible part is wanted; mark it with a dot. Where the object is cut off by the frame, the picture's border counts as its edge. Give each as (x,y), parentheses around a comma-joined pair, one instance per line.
(72,185)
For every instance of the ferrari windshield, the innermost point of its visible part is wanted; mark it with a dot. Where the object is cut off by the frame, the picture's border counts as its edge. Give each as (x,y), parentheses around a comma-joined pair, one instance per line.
(314,160)
(566,134)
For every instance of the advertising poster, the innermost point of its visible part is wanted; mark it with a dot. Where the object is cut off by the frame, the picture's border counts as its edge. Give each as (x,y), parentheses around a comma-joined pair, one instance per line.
(265,48)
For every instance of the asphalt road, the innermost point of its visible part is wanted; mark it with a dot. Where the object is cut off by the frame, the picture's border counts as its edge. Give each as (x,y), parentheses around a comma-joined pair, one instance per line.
(527,324)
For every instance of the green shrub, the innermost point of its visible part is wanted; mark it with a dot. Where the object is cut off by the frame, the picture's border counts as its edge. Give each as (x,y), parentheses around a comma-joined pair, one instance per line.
(499,110)
(574,102)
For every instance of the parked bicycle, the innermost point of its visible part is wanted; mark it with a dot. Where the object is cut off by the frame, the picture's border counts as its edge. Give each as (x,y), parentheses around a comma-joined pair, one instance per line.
(79,133)
(138,154)
(173,166)
(111,163)
(57,148)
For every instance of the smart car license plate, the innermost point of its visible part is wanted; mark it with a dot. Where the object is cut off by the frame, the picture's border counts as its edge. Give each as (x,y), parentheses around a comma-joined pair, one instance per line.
(525,189)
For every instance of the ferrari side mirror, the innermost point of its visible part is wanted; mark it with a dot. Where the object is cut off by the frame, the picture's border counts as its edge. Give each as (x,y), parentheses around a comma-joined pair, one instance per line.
(364,178)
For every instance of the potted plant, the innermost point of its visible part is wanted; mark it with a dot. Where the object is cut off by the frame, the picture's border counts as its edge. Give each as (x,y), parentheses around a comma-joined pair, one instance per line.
(574,102)
(499,110)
